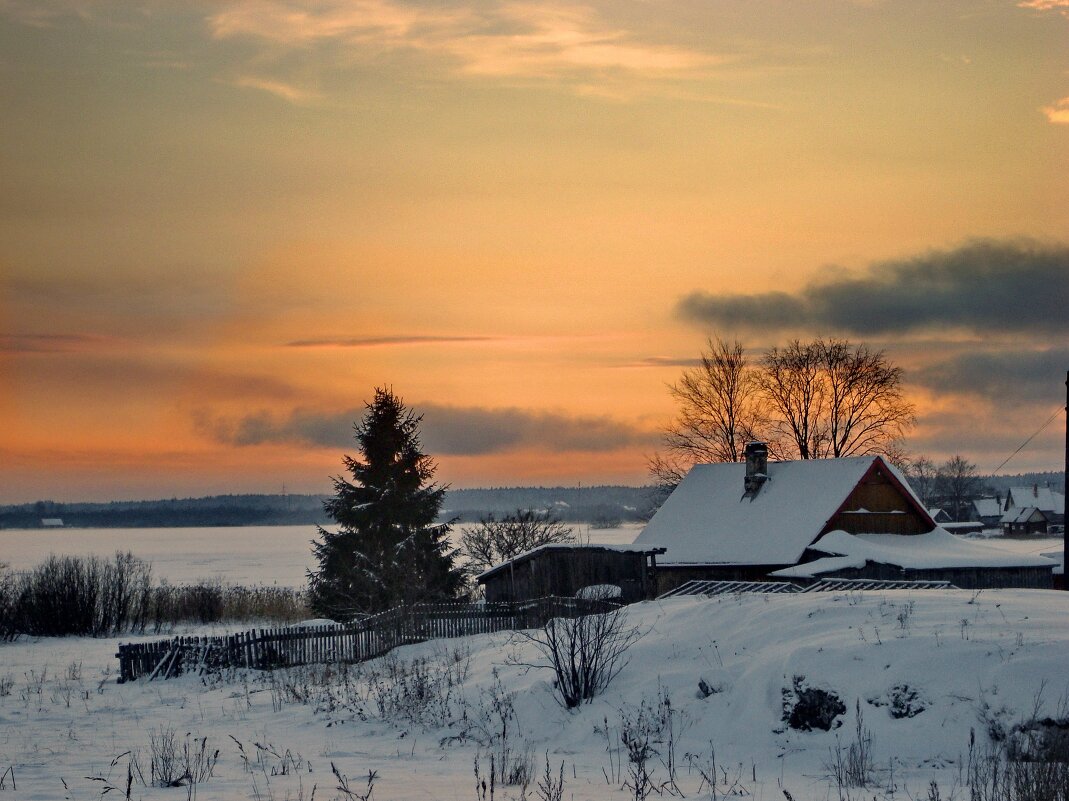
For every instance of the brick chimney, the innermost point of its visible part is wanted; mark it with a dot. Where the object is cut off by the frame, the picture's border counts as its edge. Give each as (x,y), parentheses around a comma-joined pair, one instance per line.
(756,468)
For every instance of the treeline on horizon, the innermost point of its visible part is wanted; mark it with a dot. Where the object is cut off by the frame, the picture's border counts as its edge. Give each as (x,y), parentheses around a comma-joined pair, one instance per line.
(597,505)
(606,506)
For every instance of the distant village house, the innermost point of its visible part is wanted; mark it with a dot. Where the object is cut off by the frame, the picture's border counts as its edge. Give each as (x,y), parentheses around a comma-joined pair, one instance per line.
(1033,510)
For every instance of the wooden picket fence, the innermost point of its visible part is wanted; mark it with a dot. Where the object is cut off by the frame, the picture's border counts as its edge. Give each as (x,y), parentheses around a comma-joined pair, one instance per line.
(357,641)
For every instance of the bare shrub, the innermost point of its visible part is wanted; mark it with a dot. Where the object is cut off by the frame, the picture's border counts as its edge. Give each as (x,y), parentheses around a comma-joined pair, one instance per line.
(551,788)
(214,602)
(175,764)
(70,595)
(425,690)
(9,595)
(993,776)
(494,540)
(854,765)
(354,793)
(585,653)
(649,731)
(494,725)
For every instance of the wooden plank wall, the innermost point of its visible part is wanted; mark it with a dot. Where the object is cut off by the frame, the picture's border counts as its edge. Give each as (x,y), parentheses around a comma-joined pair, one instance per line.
(358,641)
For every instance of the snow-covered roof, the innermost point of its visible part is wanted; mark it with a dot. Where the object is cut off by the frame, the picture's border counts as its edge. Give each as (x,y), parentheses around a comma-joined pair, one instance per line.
(932,551)
(569,546)
(987,507)
(1043,498)
(707,520)
(1058,557)
(1024,514)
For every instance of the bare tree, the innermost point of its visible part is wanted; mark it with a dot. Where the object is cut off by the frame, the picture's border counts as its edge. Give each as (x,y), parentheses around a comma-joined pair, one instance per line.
(492,541)
(807,400)
(958,485)
(585,653)
(863,400)
(923,477)
(719,412)
(793,387)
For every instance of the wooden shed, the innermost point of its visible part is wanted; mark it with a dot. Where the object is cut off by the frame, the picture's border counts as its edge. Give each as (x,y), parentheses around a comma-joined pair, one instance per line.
(565,570)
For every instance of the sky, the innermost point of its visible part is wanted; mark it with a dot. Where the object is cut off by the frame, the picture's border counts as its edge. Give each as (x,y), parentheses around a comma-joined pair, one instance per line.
(223,223)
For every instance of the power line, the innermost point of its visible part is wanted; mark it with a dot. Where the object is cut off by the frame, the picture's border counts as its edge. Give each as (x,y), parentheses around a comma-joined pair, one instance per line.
(1023,444)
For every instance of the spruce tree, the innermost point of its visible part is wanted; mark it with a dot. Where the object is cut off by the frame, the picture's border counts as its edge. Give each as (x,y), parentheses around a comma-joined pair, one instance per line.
(388,549)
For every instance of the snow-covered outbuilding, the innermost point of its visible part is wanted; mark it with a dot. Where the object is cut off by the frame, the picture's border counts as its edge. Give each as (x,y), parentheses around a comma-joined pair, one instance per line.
(566,569)
(987,511)
(940,515)
(824,518)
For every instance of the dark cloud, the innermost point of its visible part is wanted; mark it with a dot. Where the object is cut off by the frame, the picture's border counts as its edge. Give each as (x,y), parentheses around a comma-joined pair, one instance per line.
(123,301)
(986,285)
(1004,377)
(989,441)
(472,431)
(372,342)
(446,430)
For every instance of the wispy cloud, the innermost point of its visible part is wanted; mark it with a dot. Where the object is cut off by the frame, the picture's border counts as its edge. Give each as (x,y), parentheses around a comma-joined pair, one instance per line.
(1061,6)
(987,285)
(1059,112)
(507,40)
(280,89)
(43,15)
(376,342)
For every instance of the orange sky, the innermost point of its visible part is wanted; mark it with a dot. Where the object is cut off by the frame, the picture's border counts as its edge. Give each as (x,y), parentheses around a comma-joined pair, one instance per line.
(223,224)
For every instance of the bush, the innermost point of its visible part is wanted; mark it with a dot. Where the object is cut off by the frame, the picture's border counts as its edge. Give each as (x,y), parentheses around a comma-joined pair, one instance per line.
(74,595)
(214,602)
(585,653)
(90,596)
(812,707)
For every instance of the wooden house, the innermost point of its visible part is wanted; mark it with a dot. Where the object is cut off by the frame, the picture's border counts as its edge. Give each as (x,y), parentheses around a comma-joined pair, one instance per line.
(1033,510)
(803,520)
(620,571)
(1025,521)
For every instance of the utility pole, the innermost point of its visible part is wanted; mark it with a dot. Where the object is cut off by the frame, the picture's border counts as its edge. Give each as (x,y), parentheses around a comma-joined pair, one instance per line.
(1065,489)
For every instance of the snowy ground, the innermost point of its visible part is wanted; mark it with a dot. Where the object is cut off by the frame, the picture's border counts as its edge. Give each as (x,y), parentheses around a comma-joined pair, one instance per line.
(67,730)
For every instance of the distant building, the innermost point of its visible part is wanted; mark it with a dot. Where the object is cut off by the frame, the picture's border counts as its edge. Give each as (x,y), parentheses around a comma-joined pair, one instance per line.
(940,515)
(570,570)
(1033,510)
(51,522)
(987,511)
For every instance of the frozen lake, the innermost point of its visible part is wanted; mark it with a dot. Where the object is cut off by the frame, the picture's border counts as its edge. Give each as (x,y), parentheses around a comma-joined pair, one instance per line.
(241,555)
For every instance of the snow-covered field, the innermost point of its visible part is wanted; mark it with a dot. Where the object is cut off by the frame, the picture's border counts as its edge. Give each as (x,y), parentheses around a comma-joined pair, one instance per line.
(964,659)
(68,730)
(278,555)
